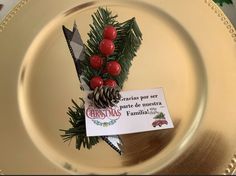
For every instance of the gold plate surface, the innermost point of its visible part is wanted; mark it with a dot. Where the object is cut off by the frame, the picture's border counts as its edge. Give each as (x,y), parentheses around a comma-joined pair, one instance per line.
(191,55)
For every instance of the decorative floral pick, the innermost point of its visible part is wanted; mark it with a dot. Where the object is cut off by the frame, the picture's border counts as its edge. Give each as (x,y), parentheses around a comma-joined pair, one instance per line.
(102,67)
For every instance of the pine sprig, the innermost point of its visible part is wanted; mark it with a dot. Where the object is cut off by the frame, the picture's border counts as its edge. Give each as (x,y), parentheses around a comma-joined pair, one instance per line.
(128,40)
(78,130)
(101,18)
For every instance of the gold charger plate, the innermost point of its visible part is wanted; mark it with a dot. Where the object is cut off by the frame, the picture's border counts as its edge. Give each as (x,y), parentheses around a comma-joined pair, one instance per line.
(189,49)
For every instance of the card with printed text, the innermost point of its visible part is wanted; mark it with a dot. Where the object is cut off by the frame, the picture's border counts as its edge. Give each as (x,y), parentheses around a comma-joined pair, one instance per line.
(137,111)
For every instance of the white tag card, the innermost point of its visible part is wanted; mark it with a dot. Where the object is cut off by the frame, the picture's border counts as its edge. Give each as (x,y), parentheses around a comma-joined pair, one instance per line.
(137,111)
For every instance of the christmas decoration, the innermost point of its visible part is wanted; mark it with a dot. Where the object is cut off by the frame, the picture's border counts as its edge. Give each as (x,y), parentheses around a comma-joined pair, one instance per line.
(102,66)
(110,83)
(113,68)
(96,62)
(105,96)
(107,47)
(96,81)
(110,32)
(78,130)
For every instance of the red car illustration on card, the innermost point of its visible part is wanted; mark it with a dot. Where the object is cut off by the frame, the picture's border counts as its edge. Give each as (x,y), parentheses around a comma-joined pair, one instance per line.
(159,123)
(159,120)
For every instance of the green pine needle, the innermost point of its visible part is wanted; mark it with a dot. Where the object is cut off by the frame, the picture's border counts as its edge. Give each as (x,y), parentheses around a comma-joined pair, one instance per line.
(78,130)
(127,43)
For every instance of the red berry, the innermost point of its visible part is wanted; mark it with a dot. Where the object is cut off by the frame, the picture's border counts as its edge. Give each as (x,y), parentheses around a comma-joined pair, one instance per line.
(106,47)
(113,68)
(109,32)
(96,81)
(110,83)
(96,62)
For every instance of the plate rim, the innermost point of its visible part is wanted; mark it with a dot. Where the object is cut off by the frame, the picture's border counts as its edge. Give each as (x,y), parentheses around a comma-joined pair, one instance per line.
(214,7)
(12,13)
(230,169)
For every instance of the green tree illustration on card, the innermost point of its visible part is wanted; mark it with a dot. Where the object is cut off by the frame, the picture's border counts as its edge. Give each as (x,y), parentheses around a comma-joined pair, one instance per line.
(221,2)
(160,115)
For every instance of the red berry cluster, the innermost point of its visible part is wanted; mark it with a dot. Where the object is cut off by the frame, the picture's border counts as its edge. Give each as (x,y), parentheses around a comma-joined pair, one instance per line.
(106,48)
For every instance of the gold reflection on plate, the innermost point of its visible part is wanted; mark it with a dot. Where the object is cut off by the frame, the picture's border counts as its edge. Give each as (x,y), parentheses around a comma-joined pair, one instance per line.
(191,56)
